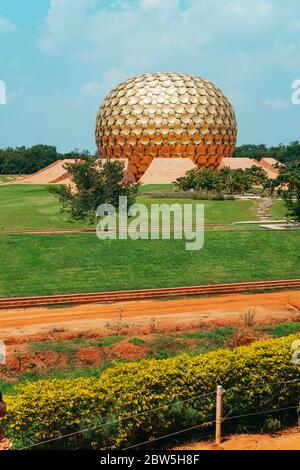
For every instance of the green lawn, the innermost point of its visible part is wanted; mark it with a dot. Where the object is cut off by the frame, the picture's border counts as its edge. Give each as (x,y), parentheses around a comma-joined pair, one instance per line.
(215,212)
(34,207)
(49,264)
(8,178)
(154,188)
(53,264)
(278,210)
(30,207)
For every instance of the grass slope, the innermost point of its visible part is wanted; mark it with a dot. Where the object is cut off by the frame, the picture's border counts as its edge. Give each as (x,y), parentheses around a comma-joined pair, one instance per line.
(52,264)
(33,207)
(8,178)
(30,207)
(278,210)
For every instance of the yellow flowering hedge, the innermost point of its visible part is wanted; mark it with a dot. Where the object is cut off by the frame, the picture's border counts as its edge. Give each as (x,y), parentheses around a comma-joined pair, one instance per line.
(258,377)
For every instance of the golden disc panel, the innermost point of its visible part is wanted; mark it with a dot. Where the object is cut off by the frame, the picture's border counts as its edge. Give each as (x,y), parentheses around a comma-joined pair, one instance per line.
(166,115)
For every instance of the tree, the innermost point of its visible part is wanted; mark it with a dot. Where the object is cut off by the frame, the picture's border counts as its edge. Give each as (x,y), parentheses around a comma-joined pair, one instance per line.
(222,182)
(287,184)
(257,175)
(234,181)
(187,182)
(96,182)
(198,179)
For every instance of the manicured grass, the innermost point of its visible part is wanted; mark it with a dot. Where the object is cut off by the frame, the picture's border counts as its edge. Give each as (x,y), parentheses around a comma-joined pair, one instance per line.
(30,207)
(278,210)
(53,264)
(154,188)
(25,207)
(8,178)
(215,212)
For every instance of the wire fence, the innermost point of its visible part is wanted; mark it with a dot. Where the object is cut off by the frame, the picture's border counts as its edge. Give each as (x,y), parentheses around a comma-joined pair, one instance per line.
(150,441)
(192,400)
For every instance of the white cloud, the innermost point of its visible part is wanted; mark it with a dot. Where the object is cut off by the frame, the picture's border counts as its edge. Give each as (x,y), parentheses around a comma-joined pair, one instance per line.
(6,25)
(160,4)
(65,23)
(109,80)
(154,29)
(90,89)
(236,43)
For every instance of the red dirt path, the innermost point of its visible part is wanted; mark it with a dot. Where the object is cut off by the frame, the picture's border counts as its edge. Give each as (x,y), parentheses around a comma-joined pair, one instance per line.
(144,316)
(288,439)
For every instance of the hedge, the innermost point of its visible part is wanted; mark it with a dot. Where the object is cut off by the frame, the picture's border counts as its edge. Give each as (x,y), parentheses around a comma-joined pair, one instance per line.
(256,378)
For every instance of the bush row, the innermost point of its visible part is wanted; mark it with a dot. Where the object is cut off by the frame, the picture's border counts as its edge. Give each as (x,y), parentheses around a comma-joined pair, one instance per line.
(134,402)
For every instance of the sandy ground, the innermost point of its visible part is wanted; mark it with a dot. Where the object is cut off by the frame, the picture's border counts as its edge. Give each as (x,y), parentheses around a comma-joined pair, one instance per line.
(168,315)
(53,173)
(167,170)
(284,440)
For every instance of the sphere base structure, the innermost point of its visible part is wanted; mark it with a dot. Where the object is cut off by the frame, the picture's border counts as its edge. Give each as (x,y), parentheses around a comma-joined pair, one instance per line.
(166,170)
(166,115)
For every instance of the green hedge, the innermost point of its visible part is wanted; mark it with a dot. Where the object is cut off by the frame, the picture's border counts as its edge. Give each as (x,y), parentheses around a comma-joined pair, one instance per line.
(256,378)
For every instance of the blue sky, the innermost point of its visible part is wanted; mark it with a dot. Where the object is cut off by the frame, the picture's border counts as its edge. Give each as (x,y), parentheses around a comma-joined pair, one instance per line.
(59,58)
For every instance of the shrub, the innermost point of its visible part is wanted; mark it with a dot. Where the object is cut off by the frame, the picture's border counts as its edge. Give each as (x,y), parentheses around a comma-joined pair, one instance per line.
(222,182)
(46,409)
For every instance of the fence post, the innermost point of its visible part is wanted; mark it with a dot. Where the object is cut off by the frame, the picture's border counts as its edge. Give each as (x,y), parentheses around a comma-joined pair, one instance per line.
(219,417)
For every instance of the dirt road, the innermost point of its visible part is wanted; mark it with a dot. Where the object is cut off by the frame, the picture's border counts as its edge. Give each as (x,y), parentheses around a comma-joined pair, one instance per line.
(168,315)
(285,440)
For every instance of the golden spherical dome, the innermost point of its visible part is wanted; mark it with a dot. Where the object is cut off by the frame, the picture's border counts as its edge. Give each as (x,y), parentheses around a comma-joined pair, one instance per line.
(166,115)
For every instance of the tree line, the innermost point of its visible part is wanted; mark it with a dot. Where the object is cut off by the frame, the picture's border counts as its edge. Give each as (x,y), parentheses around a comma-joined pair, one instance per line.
(282,153)
(25,161)
(22,160)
